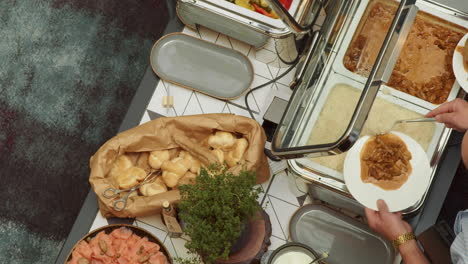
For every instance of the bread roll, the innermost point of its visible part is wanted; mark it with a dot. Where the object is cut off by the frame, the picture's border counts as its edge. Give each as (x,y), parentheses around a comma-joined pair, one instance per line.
(195,163)
(219,154)
(178,166)
(153,188)
(234,156)
(170,178)
(142,162)
(222,140)
(157,158)
(120,165)
(130,177)
(188,178)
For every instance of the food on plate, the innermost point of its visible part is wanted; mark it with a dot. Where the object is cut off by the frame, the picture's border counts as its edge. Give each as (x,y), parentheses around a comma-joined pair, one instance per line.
(338,110)
(120,165)
(120,246)
(234,156)
(261,6)
(157,158)
(429,77)
(464,52)
(130,177)
(385,161)
(465,56)
(222,140)
(153,188)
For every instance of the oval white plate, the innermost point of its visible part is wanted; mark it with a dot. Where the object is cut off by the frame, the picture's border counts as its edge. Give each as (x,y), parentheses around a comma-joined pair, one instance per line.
(397,200)
(458,69)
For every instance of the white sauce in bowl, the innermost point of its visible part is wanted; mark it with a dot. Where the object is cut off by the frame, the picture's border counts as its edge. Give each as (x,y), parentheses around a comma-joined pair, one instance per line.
(293,257)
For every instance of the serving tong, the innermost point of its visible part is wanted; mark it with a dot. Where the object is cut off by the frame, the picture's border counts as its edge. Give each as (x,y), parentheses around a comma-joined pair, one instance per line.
(121,203)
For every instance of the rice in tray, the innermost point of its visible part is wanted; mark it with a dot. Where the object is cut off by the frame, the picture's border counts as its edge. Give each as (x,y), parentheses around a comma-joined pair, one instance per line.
(424,68)
(338,110)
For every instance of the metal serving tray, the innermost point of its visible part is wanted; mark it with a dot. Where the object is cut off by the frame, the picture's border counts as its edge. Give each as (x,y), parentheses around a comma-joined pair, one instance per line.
(241,23)
(425,6)
(332,179)
(322,73)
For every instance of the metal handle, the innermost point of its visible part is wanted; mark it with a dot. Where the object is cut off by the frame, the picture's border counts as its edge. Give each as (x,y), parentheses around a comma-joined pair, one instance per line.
(417,120)
(120,204)
(384,64)
(110,193)
(288,20)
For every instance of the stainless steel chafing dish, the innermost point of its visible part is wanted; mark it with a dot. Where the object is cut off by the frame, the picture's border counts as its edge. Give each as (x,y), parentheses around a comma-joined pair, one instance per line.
(244,24)
(323,69)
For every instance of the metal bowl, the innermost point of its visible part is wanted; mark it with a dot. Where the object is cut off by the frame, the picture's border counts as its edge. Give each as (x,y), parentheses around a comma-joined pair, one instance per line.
(137,230)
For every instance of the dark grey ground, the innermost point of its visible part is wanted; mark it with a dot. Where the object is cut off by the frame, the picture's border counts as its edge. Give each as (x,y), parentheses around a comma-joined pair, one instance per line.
(68,71)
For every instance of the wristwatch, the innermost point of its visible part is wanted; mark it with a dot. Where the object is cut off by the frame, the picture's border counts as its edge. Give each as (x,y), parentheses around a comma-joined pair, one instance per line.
(400,240)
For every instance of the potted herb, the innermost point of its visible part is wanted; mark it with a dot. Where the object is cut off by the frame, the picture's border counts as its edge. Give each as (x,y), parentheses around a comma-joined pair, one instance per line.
(215,211)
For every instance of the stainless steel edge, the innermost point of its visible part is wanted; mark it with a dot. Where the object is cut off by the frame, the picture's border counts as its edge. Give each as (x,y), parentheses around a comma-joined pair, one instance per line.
(392,45)
(447,9)
(242,19)
(287,19)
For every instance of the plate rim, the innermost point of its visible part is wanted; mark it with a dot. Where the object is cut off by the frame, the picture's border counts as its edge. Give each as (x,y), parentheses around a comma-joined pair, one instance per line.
(458,69)
(425,167)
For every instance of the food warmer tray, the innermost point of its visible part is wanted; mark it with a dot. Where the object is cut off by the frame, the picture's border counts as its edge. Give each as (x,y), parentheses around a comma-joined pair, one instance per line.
(425,6)
(322,72)
(241,23)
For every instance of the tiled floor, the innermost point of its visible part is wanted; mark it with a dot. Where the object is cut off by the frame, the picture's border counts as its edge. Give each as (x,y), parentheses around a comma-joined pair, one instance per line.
(283,193)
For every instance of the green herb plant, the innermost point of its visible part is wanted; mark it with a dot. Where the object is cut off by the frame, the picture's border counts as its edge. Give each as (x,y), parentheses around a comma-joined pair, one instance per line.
(215,209)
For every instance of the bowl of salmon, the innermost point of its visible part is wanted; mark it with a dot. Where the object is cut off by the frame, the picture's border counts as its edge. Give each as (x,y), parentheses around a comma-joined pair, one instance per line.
(119,244)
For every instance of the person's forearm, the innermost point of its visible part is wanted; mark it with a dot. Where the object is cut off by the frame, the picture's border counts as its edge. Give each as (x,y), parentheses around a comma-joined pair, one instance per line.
(412,254)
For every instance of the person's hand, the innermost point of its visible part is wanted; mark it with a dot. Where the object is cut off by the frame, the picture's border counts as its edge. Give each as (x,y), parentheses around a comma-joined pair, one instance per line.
(453,114)
(389,225)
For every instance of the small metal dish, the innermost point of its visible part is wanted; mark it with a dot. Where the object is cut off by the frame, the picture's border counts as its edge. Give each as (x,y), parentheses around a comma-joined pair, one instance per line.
(136,230)
(202,66)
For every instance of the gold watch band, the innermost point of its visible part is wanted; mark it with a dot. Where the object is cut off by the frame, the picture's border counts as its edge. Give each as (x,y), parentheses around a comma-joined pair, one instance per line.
(400,240)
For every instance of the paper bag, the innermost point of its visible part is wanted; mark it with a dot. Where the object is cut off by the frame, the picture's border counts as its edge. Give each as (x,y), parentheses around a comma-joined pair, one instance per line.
(184,132)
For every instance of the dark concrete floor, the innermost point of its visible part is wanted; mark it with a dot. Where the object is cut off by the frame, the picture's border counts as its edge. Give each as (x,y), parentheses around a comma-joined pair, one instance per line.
(68,71)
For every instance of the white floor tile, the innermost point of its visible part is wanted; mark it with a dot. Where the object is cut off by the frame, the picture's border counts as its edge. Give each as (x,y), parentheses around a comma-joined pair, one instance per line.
(283,211)
(275,224)
(223,41)
(210,104)
(191,32)
(239,111)
(99,221)
(160,234)
(240,46)
(153,220)
(145,118)
(156,102)
(285,187)
(208,34)
(193,106)
(260,68)
(181,97)
(276,242)
(286,80)
(179,246)
(265,56)
(170,247)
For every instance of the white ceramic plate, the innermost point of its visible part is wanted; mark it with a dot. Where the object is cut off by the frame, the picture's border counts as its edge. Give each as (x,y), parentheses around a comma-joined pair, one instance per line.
(397,200)
(458,69)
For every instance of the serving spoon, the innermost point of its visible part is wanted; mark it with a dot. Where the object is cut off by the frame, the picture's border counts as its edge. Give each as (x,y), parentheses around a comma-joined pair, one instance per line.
(417,120)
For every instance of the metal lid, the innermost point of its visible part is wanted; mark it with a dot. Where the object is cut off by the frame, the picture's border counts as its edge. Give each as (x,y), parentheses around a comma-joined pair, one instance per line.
(306,128)
(346,240)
